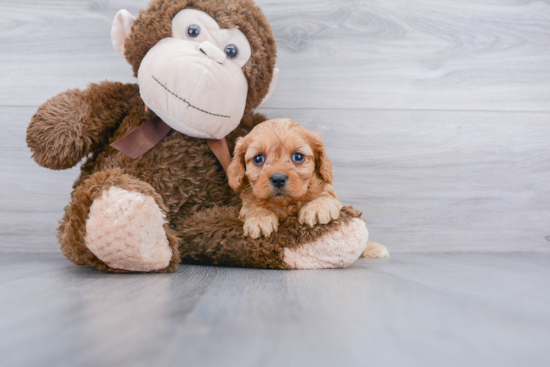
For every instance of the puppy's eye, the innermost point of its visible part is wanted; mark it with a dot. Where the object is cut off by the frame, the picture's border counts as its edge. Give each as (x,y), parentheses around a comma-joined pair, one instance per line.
(259,159)
(231,51)
(193,31)
(298,157)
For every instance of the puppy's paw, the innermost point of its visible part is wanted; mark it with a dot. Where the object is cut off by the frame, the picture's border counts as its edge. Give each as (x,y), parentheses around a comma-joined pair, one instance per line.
(321,210)
(263,222)
(374,249)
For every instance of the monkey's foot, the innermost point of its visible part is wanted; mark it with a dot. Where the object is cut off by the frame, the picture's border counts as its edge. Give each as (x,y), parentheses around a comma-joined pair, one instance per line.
(125,231)
(338,249)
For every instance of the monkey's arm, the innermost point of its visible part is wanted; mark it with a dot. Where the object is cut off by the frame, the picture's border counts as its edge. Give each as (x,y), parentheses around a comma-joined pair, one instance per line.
(70,125)
(215,237)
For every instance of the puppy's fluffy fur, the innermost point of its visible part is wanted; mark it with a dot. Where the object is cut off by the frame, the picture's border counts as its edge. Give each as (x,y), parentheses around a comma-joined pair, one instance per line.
(307,190)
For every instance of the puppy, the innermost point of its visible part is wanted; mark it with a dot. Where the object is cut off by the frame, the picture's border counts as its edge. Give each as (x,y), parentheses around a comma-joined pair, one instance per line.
(282,170)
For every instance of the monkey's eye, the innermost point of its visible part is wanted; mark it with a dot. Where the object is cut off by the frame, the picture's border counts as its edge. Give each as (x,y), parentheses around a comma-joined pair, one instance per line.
(298,157)
(193,31)
(259,159)
(231,51)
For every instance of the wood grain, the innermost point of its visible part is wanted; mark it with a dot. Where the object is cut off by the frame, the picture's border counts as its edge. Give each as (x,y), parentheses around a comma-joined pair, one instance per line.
(421,54)
(394,87)
(408,310)
(426,180)
(442,180)
(435,115)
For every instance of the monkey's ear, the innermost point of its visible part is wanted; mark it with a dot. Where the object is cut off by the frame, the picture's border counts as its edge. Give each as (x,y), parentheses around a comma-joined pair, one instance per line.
(271,85)
(122,26)
(236,170)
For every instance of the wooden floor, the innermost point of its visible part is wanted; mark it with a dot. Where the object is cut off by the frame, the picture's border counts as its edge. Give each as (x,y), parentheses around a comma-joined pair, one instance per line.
(436,116)
(408,310)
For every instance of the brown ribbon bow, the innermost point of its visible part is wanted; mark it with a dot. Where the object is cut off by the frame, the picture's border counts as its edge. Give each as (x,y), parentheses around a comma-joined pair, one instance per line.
(146,136)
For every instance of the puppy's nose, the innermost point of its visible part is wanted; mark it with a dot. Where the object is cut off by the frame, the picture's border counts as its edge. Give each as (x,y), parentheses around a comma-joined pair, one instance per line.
(278,180)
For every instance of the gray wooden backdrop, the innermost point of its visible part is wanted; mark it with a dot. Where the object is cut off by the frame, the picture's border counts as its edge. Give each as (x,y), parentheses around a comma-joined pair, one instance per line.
(436,113)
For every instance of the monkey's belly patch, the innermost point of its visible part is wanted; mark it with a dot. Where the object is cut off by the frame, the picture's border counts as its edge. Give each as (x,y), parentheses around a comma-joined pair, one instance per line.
(125,231)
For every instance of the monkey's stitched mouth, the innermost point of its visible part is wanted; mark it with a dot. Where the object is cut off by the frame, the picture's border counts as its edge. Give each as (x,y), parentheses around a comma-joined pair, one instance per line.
(190,105)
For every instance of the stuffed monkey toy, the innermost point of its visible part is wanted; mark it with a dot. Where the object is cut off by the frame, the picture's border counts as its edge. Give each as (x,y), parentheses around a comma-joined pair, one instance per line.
(152,190)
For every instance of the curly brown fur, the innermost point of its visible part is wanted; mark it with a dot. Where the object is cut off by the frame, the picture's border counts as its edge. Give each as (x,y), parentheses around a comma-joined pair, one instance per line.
(155,23)
(181,169)
(215,237)
(59,143)
(72,229)
(74,123)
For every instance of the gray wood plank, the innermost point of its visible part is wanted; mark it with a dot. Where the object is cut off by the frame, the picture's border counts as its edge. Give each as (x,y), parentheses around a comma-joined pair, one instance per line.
(425,180)
(421,54)
(32,198)
(441,180)
(408,310)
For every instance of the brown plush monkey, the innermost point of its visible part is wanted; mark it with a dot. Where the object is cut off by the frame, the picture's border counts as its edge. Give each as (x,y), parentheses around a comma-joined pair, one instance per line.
(202,67)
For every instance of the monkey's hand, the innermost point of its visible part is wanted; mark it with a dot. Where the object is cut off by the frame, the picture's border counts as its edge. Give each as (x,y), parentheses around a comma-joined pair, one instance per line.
(321,210)
(56,135)
(66,127)
(260,221)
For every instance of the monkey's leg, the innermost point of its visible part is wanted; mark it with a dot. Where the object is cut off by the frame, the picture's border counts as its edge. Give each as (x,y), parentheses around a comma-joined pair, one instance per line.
(117,223)
(216,236)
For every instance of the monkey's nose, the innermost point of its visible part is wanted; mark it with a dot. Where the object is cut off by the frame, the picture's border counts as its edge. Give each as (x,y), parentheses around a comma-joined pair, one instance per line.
(212,51)
(279,180)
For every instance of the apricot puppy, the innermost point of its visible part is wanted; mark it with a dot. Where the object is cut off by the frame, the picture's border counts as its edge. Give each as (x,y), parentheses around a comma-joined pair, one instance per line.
(282,169)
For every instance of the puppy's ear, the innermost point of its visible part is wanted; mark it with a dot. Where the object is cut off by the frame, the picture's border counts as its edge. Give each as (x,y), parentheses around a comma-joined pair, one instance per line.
(236,169)
(323,165)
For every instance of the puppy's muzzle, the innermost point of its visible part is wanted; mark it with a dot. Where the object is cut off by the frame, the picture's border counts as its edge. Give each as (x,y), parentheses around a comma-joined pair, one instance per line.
(279,180)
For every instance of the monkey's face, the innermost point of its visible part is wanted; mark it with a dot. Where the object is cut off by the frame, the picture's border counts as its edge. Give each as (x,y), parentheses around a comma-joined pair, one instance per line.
(194,80)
